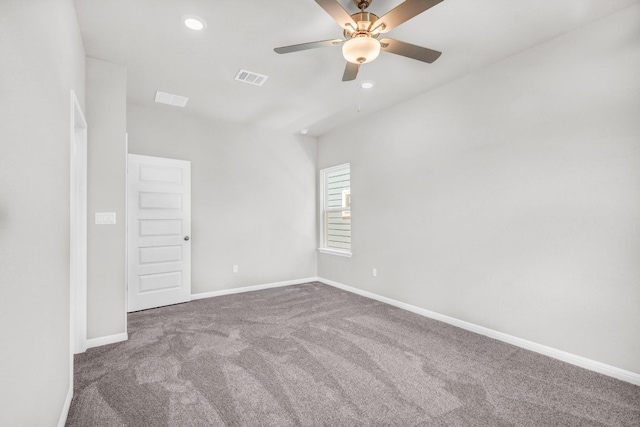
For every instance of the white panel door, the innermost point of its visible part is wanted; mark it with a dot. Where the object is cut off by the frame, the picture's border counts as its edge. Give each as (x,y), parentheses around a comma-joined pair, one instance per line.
(158,231)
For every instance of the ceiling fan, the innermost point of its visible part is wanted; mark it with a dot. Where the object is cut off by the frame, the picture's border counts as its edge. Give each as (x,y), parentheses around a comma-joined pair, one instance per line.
(362,29)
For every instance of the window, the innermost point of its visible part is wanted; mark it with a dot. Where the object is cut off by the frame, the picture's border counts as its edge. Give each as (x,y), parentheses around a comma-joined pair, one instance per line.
(335,210)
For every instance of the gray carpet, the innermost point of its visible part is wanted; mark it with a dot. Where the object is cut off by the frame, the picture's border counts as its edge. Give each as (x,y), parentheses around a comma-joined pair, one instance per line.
(313,355)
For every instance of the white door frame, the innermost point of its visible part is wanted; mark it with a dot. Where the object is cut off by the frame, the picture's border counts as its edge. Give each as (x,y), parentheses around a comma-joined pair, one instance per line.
(78,231)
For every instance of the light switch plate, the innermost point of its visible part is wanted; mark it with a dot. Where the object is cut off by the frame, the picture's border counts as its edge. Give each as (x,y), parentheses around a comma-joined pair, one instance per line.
(105,218)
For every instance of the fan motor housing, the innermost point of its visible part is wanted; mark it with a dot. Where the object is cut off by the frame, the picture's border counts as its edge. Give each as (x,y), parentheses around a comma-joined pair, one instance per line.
(364,21)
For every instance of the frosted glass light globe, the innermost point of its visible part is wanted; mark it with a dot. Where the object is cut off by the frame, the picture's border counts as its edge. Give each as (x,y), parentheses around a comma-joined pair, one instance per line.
(360,50)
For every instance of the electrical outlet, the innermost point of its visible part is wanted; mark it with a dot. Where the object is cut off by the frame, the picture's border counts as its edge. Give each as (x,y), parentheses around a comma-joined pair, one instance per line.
(375,272)
(235,268)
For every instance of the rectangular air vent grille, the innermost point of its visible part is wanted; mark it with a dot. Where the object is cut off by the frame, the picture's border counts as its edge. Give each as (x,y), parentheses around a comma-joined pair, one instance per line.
(171,99)
(250,77)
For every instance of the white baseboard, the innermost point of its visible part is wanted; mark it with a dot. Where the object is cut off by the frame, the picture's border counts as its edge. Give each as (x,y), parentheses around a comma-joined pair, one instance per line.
(252,288)
(65,408)
(109,339)
(573,359)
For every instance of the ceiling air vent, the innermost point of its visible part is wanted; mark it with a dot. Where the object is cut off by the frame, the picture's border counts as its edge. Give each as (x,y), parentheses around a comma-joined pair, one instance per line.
(168,98)
(250,77)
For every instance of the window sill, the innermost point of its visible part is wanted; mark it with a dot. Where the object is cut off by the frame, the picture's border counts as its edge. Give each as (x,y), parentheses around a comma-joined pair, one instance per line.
(335,252)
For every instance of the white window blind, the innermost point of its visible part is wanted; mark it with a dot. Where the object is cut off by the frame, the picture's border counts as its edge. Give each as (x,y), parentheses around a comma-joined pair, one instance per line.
(336,209)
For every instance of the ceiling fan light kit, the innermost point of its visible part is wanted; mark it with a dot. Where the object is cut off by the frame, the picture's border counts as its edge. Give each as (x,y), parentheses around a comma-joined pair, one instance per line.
(362,29)
(361,49)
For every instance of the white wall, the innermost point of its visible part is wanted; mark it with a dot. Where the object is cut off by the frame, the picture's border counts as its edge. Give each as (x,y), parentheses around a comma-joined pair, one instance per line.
(42,60)
(253,196)
(107,119)
(510,198)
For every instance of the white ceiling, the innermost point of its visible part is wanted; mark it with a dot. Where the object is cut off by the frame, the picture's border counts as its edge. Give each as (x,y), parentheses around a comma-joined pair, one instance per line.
(304,89)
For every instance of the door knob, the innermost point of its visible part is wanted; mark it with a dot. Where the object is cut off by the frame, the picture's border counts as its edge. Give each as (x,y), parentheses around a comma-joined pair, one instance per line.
(186,238)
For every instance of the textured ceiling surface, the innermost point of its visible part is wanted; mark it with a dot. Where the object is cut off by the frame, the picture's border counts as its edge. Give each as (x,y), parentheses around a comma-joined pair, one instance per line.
(304,89)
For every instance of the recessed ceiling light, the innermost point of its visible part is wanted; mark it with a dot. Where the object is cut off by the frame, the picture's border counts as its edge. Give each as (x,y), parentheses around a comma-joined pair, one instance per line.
(367,84)
(194,22)
(304,131)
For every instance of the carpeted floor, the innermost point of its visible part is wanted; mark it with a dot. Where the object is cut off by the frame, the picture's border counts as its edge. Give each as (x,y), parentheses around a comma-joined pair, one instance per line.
(313,355)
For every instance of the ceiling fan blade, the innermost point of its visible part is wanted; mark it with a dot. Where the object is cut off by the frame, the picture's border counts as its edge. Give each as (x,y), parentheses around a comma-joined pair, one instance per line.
(409,50)
(337,12)
(310,45)
(350,72)
(403,12)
